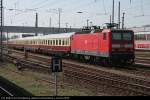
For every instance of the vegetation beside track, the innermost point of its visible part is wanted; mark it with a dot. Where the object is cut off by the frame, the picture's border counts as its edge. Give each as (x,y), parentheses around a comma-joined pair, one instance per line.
(29,80)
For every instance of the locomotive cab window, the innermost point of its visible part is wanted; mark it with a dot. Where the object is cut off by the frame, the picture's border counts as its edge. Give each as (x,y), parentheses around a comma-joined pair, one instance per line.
(127,36)
(116,36)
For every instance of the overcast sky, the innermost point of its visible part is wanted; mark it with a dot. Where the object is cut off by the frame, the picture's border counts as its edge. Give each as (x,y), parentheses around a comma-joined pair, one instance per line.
(22,12)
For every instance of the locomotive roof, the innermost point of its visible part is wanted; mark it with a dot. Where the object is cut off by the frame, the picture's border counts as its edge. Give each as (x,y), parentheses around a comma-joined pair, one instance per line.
(50,36)
(142,33)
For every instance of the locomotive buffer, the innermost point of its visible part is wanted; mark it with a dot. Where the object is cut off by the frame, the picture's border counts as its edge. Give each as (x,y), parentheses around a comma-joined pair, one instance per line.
(56,66)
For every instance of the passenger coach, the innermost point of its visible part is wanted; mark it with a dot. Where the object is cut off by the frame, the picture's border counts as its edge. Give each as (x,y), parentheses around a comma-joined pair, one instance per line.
(142,41)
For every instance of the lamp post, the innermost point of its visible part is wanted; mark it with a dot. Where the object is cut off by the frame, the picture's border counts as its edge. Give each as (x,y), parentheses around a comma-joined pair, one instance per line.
(66,27)
(80,12)
(59,11)
(1,25)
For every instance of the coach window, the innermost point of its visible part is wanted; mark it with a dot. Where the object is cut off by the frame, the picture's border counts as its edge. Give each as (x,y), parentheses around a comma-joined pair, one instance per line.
(54,42)
(46,42)
(50,42)
(63,42)
(59,42)
(39,42)
(148,36)
(43,42)
(104,36)
(66,42)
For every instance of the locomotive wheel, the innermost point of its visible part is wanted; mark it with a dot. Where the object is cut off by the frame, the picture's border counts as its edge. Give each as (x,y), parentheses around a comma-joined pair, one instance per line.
(107,63)
(87,58)
(92,60)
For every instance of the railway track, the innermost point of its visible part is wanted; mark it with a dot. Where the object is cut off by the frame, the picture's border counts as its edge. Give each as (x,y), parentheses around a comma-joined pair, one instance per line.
(9,89)
(5,92)
(77,73)
(143,54)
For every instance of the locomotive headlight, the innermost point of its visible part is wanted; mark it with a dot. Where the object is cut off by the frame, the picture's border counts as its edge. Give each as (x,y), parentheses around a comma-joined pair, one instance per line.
(128,46)
(116,45)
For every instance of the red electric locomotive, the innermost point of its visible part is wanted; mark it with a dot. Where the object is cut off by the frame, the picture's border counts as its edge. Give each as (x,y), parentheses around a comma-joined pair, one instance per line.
(109,45)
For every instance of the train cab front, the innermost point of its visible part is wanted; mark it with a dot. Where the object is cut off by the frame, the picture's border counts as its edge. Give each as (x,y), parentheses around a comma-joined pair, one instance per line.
(122,46)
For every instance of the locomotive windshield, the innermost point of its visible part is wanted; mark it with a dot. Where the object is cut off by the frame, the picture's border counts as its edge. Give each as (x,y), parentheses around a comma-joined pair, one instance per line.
(121,36)
(116,36)
(127,36)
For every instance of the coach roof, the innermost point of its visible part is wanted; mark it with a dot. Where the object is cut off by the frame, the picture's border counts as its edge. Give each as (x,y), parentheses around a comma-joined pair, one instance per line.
(50,36)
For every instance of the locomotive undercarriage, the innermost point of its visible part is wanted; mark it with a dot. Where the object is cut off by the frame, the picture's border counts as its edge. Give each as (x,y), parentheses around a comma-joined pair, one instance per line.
(105,61)
(113,60)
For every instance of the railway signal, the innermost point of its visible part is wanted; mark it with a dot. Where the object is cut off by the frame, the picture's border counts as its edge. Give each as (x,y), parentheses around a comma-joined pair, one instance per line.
(56,65)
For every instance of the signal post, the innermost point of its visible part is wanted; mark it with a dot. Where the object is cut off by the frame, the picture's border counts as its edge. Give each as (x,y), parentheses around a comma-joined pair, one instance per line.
(56,67)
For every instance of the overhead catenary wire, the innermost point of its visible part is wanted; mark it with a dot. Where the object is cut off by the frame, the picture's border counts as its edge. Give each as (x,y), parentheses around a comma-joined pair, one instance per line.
(77,5)
(104,7)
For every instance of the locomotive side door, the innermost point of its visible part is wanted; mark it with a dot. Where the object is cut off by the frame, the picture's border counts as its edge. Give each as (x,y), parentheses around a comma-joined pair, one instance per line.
(104,41)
